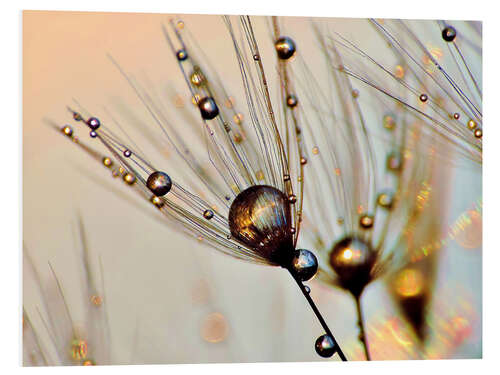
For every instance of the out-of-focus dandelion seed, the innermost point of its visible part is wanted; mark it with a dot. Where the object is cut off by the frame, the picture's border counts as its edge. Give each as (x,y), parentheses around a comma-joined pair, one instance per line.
(68,343)
(441,79)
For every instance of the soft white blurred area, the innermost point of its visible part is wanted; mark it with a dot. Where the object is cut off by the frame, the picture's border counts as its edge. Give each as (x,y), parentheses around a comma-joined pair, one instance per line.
(152,274)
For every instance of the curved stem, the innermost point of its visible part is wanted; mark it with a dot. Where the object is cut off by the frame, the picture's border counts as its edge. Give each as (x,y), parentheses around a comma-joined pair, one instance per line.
(362,334)
(318,315)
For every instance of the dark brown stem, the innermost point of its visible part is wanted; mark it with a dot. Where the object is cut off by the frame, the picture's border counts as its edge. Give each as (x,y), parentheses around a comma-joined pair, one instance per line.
(319,316)
(361,324)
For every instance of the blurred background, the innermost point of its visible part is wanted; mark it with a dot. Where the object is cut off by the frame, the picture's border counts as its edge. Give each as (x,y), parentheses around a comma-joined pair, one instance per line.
(168,298)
